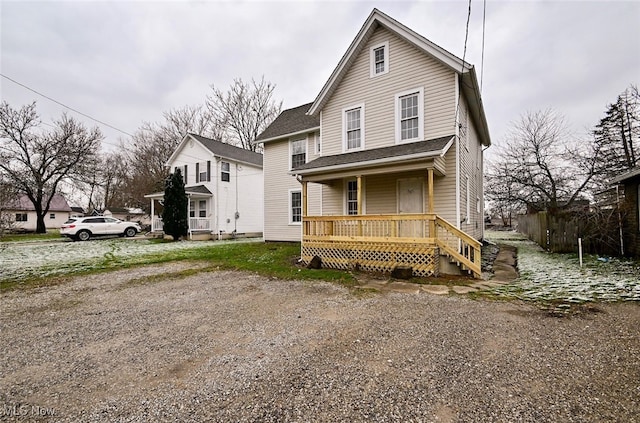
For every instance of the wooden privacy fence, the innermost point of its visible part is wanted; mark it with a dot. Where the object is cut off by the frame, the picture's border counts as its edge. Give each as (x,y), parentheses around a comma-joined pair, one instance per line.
(559,233)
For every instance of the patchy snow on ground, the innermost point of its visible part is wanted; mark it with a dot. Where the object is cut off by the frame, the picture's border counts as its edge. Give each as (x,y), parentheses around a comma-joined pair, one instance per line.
(548,276)
(21,260)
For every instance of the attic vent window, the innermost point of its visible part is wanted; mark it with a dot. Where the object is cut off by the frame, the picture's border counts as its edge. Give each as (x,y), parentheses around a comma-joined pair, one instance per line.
(379,59)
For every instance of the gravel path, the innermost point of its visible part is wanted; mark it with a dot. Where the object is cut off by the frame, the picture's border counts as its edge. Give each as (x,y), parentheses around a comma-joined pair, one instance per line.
(143,345)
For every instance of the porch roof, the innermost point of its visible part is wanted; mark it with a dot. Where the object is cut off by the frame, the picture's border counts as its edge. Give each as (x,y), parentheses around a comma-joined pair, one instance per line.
(198,190)
(377,156)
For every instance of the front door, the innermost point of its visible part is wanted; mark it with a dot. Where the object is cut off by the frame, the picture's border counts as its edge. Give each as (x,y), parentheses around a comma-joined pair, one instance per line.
(411,200)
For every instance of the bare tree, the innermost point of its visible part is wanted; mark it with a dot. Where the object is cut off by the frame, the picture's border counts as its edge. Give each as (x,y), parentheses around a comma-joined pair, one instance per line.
(541,165)
(244,111)
(8,201)
(36,161)
(145,156)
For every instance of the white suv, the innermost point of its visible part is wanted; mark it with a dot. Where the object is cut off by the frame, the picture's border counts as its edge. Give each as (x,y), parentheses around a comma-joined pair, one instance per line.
(83,228)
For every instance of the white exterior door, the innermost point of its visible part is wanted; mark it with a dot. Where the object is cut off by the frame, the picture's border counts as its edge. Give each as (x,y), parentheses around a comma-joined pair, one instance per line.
(411,200)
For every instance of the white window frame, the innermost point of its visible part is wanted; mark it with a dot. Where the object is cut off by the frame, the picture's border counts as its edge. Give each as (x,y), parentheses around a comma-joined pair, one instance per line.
(306,148)
(202,209)
(291,222)
(372,59)
(344,127)
(420,92)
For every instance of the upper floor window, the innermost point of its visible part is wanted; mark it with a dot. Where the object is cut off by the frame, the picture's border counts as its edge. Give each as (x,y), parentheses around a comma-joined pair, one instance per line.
(298,152)
(52,215)
(203,171)
(379,59)
(225,175)
(353,130)
(410,116)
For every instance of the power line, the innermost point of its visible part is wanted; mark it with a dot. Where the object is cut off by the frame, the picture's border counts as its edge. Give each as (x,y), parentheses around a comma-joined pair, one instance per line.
(65,106)
(484,15)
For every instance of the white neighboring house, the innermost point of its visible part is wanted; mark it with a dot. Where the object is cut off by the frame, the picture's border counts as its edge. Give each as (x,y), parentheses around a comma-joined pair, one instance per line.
(25,217)
(225,187)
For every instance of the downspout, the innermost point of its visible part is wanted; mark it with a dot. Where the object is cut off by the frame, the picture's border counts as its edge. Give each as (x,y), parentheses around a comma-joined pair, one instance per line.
(217,196)
(236,216)
(457,135)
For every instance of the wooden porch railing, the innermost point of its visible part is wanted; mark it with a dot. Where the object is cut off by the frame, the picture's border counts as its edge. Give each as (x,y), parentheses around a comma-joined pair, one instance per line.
(427,229)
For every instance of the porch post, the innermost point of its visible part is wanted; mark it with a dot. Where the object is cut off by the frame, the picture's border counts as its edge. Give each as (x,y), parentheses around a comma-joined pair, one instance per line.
(189,216)
(359,183)
(304,207)
(153,215)
(432,222)
(359,190)
(430,187)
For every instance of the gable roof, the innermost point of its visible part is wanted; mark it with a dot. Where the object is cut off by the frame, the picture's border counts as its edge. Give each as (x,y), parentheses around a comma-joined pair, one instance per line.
(402,152)
(58,203)
(220,149)
(466,71)
(290,122)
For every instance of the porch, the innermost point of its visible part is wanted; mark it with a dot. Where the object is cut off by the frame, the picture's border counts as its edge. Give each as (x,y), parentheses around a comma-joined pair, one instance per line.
(379,243)
(200,212)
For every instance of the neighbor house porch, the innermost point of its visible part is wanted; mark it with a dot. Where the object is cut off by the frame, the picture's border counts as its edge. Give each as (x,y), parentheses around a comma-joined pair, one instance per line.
(200,212)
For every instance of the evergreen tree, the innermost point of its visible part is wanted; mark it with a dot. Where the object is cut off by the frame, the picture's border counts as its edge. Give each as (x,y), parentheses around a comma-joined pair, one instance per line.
(617,136)
(175,216)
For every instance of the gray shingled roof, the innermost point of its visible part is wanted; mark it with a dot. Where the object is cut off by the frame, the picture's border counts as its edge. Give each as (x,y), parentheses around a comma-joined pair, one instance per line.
(198,189)
(229,151)
(432,145)
(290,121)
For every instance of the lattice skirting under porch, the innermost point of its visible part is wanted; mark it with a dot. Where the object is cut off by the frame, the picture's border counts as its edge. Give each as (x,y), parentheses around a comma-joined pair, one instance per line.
(374,256)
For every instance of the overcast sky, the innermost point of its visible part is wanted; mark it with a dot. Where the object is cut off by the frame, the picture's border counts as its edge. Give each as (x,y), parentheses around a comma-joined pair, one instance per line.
(125,62)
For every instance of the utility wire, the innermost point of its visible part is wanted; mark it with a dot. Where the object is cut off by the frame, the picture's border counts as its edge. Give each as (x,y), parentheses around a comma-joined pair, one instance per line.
(65,106)
(484,15)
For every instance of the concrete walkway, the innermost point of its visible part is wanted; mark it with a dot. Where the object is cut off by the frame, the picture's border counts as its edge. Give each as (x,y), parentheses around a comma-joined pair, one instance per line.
(504,272)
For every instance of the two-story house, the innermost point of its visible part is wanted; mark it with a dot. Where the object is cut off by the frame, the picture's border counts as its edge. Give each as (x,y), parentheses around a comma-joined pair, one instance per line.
(224,184)
(385,167)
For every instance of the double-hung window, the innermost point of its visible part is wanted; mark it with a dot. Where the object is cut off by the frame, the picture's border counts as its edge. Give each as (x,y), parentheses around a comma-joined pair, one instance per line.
(295,207)
(379,59)
(353,128)
(298,152)
(21,217)
(225,175)
(352,197)
(203,171)
(410,116)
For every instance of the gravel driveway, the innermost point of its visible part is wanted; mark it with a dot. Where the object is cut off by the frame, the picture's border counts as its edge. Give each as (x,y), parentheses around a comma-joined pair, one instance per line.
(143,345)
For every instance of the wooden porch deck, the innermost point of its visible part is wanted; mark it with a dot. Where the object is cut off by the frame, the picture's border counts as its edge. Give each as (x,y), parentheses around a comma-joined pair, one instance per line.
(382,242)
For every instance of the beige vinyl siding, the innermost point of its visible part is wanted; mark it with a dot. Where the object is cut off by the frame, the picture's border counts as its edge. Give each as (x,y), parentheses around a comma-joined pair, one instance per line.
(277,184)
(409,69)
(468,159)
(444,189)
(333,198)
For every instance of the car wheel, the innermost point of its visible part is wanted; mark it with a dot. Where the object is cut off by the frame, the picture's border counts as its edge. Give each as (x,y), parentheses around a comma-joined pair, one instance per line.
(83,235)
(130,232)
